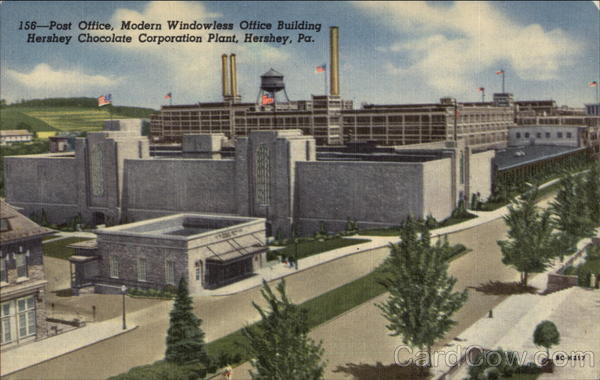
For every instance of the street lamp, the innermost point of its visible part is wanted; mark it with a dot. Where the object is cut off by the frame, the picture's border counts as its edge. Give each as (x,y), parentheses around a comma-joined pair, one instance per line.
(123,292)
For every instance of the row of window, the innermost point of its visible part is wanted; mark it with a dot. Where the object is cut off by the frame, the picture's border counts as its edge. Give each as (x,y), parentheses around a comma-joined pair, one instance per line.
(18,319)
(141,269)
(21,265)
(546,134)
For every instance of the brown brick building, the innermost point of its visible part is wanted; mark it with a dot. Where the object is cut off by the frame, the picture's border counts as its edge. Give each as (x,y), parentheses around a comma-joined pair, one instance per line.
(22,278)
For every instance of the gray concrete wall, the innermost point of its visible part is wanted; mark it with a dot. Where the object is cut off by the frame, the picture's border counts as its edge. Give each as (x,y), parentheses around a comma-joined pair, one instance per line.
(437,189)
(42,182)
(168,186)
(480,174)
(373,193)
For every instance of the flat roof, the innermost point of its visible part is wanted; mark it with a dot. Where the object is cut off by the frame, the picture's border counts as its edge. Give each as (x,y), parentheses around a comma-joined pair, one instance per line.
(179,226)
(511,157)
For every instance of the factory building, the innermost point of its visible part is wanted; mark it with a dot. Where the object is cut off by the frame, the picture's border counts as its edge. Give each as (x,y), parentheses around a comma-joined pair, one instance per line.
(279,175)
(332,120)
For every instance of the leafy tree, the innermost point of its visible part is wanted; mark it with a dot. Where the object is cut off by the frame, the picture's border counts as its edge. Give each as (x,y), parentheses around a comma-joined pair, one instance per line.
(571,213)
(546,335)
(280,342)
(421,300)
(185,339)
(529,246)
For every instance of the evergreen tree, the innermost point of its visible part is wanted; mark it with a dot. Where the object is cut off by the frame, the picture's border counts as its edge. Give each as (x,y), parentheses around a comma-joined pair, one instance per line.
(572,214)
(280,342)
(529,246)
(185,339)
(421,301)
(592,193)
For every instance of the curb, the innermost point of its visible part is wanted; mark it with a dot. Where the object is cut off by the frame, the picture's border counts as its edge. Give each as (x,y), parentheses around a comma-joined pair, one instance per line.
(71,351)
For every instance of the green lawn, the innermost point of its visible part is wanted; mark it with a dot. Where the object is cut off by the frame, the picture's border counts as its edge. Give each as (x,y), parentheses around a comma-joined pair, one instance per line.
(312,247)
(59,248)
(395,231)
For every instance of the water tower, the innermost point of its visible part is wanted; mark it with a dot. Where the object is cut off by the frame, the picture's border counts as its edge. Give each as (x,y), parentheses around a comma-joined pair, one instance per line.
(272,88)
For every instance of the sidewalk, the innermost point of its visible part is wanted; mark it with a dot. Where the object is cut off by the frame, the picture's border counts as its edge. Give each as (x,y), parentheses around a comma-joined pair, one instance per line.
(514,321)
(279,270)
(276,271)
(33,353)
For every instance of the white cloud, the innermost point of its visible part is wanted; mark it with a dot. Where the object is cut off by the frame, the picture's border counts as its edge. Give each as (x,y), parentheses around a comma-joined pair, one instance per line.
(43,76)
(190,66)
(456,42)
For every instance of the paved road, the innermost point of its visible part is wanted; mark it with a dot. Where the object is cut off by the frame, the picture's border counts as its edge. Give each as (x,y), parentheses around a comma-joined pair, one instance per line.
(355,342)
(221,315)
(356,337)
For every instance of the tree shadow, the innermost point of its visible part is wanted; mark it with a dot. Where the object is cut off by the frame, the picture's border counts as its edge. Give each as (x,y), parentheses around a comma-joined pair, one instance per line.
(379,371)
(504,288)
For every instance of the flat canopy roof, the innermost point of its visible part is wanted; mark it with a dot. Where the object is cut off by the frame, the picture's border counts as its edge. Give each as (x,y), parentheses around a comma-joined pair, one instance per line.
(521,155)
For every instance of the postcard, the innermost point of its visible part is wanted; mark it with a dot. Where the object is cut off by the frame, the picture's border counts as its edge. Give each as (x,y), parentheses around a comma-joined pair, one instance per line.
(299,190)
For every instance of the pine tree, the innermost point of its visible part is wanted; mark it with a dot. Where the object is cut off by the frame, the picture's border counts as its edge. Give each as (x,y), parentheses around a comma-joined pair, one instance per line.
(280,342)
(421,301)
(592,193)
(529,246)
(572,214)
(185,339)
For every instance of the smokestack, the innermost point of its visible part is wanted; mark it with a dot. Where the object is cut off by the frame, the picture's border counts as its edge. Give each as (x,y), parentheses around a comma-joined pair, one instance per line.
(233,75)
(334,84)
(225,76)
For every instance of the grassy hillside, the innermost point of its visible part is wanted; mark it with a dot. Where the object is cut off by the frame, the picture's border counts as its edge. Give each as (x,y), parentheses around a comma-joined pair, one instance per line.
(64,114)
(14,118)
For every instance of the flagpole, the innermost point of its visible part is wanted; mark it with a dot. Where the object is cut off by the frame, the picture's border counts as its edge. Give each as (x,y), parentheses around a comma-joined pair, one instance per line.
(325,80)
(503,73)
(483,96)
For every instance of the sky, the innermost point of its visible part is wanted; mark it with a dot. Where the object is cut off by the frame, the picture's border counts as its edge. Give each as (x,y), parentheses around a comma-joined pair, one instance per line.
(390,52)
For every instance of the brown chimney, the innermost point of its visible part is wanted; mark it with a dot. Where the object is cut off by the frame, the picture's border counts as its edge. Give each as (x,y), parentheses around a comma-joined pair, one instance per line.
(233,75)
(334,83)
(225,76)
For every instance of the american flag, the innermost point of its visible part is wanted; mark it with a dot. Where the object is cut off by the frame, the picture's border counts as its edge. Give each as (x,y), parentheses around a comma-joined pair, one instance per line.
(266,99)
(168,95)
(104,100)
(321,69)
(593,84)
(481,89)
(499,72)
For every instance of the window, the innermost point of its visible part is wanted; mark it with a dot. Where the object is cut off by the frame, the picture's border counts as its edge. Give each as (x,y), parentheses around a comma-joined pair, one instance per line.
(547,135)
(263,175)
(21,265)
(4,225)
(26,316)
(526,135)
(113,266)
(569,135)
(538,135)
(198,270)
(3,273)
(5,327)
(559,135)
(18,319)
(170,272)
(141,269)
(518,134)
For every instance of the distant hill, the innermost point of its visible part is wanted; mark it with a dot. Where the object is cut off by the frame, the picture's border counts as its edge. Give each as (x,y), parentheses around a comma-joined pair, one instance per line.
(64,114)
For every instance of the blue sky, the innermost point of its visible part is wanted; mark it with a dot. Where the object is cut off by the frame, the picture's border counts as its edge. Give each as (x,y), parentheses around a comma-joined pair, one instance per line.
(395,52)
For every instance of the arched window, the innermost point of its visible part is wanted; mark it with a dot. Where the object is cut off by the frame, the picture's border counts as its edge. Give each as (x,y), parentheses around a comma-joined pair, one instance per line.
(263,175)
